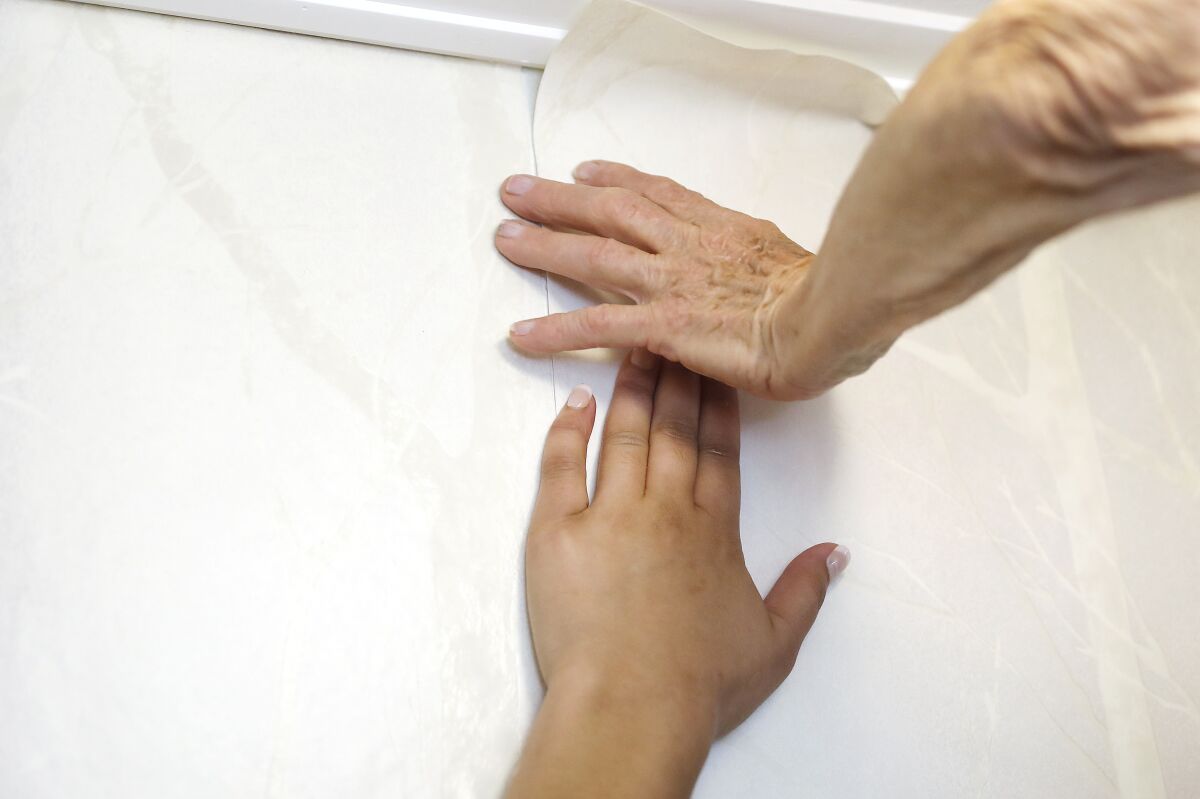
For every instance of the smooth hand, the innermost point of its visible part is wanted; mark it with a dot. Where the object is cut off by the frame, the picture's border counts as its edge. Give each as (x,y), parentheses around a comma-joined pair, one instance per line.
(649,632)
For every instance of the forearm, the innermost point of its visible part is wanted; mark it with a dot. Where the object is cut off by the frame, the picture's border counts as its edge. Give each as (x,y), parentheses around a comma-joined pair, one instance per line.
(599,738)
(1043,115)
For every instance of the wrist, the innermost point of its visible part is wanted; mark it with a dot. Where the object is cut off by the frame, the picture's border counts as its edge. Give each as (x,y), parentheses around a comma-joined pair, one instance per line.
(668,706)
(602,733)
(827,330)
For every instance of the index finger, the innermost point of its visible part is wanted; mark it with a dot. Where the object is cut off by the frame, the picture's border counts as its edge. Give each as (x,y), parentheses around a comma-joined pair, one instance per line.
(626,441)
(562,491)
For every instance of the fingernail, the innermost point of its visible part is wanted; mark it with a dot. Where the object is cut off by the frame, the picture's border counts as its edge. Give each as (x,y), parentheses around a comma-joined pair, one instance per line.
(837,561)
(579,397)
(510,229)
(642,359)
(585,170)
(521,328)
(518,184)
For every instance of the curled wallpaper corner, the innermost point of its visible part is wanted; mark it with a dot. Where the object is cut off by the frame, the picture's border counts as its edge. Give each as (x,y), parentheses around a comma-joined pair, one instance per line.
(609,35)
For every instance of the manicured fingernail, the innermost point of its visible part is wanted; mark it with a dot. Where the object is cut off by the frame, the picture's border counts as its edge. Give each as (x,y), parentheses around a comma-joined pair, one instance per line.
(518,184)
(579,397)
(510,229)
(837,561)
(585,170)
(642,359)
(521,328)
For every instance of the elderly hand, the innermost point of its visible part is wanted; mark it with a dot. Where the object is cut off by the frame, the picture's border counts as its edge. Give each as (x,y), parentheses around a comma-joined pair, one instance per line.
(1043,114)
(649,632)
(707,280)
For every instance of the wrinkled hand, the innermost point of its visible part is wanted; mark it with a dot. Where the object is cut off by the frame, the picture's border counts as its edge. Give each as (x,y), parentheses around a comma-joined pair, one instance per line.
(1042,115)
(707,281)
(649,632)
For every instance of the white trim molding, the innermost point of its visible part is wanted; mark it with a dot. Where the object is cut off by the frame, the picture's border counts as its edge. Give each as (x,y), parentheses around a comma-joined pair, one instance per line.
(893,37)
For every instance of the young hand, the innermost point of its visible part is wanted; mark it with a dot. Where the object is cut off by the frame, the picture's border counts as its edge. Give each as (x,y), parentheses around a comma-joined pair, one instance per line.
(649,632)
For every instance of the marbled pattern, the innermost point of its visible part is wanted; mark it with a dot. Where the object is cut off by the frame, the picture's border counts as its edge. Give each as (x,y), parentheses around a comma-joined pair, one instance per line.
(265,460)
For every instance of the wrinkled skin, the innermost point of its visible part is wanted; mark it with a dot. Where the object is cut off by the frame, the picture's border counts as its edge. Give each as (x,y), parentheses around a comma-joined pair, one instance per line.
(1042,115)
(707,280)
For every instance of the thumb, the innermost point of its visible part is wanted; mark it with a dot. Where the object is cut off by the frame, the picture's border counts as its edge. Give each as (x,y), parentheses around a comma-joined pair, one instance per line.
(798,593)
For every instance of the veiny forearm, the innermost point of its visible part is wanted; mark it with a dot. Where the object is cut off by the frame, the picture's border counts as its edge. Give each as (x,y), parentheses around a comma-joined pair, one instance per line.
(1044,114)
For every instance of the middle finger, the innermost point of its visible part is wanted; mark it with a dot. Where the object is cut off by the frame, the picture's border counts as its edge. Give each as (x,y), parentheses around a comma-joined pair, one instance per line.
(621,475)
(671,468)
(611,212)
(599,262)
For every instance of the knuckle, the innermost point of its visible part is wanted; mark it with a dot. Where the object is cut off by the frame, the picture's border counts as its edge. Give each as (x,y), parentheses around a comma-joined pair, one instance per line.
(557,464)
(597,320)
(676,428)
(624,204)
(637,385)
(811,595)
(816,597)
(627,457)
(673,192)
(603,253)
(626,440)
(645,274)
